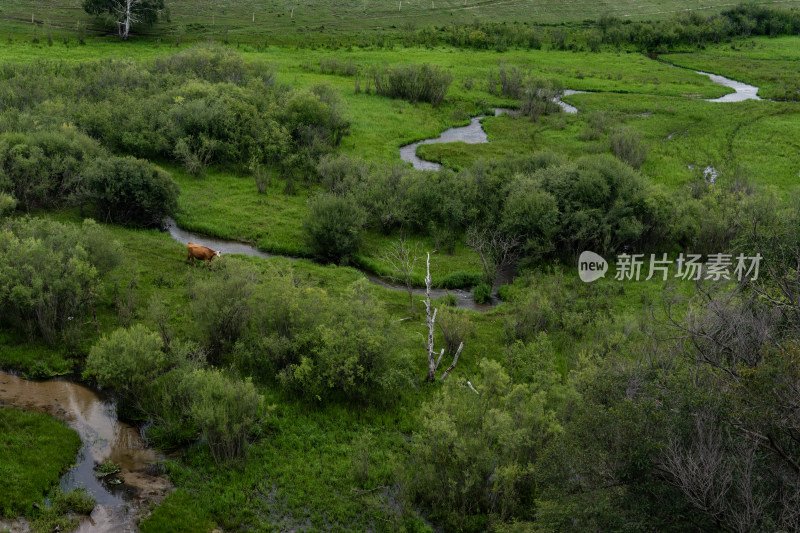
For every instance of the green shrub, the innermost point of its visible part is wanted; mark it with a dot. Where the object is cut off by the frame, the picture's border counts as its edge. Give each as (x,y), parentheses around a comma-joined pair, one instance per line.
(44,168)
(50,275)
(415,83)
(7,204)
(352,353)
(127,360)
(225,410)
(482,293)
(627,145)
(130,191)
(472,458)
(333,227)
(222,305)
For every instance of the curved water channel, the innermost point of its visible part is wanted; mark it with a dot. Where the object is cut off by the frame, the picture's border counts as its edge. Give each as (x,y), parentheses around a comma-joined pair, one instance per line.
(473,133)
(464,298)
(120,498)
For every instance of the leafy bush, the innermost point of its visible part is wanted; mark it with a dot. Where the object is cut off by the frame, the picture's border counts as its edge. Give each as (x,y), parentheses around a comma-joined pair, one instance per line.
(455,327)
(415,83)
(628,146)
(352,353)
(482,293)
(472,460)
(222,306)
(130,191)
(50,274)
(7,204)
(226,410)
(333,227)
(43,169)
(127,360)
(539,97)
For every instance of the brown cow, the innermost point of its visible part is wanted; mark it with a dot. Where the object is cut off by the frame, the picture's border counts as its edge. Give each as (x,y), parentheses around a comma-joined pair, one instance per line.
(197,251)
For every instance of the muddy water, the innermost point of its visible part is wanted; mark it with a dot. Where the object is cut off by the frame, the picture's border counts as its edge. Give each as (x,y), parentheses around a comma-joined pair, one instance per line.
(464,298)
(104,438)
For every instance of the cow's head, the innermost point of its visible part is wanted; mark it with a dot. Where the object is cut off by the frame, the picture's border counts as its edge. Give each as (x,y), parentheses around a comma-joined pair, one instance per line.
(218,253)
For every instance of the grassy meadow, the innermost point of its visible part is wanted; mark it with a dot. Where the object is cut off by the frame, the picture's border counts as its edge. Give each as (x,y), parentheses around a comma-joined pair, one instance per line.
(327,464)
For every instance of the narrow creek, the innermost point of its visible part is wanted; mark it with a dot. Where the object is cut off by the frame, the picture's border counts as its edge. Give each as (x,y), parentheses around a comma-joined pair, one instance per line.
(104,438)
(473,133)
(464,298)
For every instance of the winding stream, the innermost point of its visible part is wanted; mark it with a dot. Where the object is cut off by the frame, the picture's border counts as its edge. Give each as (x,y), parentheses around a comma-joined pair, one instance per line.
(103,438)
(474,133)
(464,298)
(742,90)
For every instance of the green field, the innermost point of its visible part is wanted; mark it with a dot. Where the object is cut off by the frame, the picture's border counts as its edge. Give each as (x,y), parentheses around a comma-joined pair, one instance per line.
(274,20)
(36,450)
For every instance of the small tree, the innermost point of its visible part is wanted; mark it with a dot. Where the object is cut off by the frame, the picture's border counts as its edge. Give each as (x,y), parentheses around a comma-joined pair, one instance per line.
(433,361)
(333,227)
(495,249)
(402,257)
(126,12)
(130,191)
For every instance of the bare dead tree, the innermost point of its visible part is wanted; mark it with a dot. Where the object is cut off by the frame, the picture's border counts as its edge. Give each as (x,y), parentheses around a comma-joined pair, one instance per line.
(495,249)
(433,360)
(126,15)
(402,258)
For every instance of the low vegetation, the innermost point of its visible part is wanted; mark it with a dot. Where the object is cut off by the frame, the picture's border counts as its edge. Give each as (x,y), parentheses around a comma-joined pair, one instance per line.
(304,395)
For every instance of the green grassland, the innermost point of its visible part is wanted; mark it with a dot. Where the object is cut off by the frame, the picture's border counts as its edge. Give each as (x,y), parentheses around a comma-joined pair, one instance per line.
(300,472)
(278,21)
(35,450)
(770,64)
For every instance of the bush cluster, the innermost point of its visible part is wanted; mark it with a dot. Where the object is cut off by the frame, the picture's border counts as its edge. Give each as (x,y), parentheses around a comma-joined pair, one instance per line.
(415,83)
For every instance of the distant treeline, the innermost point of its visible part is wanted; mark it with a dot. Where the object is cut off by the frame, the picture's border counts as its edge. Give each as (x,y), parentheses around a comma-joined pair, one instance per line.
(692,29)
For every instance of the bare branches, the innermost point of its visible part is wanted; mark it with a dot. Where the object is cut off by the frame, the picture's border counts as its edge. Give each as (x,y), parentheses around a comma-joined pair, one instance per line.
(402,258)
(495,249)
(433,361)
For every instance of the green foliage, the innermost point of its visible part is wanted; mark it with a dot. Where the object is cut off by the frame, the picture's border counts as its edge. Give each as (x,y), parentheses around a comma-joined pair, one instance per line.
(35,450)
(415,83)
(482,293)
(333,227)
(225,409)
(472,458)
(223,305)
(353,353)
(7,204)
(130,191)
(44,168)
(627,145)
(127,360)
(50,274)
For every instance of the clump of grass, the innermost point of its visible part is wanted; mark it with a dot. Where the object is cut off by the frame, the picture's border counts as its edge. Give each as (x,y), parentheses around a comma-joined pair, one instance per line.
(107,468)
(482,293)
(63,511)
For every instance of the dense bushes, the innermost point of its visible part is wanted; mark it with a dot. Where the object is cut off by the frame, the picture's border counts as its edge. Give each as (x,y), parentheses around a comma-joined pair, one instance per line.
(474,455)
(415,83)
(316,346)
(50,275)
(130,191)
(44,168)
(170,385)
(200,107)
